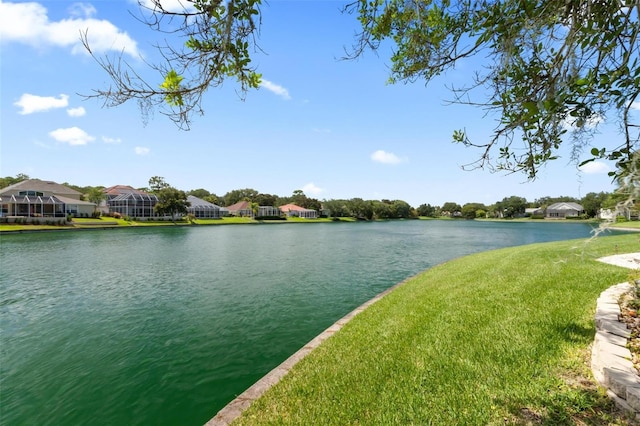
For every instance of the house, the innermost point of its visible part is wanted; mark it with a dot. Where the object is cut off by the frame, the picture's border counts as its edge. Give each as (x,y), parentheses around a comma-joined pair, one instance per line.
(629,213)
(533,211)
(563,210)
(293,210)
(131,202)
(241,208)
(268,211)
(203,209)
(41,200)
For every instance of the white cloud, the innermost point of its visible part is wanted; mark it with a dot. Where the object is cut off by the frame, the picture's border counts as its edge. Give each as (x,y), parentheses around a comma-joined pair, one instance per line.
(275,88)
(76,112)
(384,157)
(33,103)
(595,167)
(109,140)
(312,189)
(635,105)
(28,23)
(141,150)
(169,5)
(570,123)
(72,136)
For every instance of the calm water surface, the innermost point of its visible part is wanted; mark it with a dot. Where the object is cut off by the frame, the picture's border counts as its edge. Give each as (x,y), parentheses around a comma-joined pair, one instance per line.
(167,325)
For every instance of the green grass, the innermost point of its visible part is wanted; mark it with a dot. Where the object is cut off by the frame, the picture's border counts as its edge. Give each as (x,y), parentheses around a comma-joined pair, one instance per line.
(629,224)
(500,337)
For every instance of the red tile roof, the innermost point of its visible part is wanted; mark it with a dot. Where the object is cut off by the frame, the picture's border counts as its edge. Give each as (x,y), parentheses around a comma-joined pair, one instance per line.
(240,205)
(123,189)
(292,207)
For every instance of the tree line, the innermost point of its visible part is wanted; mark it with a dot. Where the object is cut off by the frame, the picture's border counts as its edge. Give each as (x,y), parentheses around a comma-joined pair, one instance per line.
(173,200)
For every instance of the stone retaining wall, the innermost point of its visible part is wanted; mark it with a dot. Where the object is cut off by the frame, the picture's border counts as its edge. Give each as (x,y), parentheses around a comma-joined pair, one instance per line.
(610,357)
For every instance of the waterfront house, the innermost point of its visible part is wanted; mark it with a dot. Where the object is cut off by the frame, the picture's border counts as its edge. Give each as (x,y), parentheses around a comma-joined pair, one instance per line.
(202,209)
(241,208)
(39,201)
(563,210)
(128,201)
(293,210)
(533,211)
(268,211)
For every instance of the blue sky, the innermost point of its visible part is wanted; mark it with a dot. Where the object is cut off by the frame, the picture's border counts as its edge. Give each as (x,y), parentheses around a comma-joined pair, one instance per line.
(333,128)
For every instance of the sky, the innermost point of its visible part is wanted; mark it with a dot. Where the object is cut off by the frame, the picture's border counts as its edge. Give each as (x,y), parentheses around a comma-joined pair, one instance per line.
(330,127)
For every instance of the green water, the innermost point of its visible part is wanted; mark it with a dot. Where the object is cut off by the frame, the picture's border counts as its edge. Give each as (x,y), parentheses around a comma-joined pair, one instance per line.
(165,326)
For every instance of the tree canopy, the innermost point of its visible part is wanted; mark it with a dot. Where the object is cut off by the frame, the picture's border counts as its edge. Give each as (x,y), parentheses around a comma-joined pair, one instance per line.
(551,70)
(172,202)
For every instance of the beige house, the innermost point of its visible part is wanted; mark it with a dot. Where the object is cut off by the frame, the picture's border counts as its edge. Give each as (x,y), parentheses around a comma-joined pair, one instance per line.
(241,208)
(40,200)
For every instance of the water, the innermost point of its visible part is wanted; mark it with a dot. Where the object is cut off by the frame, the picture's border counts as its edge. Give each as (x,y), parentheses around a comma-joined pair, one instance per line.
(167,325)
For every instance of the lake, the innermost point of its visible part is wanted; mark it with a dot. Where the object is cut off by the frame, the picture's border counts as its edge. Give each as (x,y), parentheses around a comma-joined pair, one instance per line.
(167,325)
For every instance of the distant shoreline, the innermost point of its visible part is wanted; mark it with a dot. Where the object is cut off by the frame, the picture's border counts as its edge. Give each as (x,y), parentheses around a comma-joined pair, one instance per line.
(84,225)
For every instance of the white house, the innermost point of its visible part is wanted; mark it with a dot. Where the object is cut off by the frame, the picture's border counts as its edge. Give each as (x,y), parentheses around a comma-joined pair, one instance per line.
(563,210)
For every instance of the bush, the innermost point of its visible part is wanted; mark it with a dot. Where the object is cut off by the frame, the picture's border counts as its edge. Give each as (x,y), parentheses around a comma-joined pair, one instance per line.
(270,218)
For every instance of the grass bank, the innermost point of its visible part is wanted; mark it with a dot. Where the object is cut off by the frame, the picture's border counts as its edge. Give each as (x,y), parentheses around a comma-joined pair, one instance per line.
(501,337)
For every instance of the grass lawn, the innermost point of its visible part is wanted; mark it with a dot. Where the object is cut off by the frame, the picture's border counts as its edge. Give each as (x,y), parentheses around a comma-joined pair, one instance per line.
(501,337)
(630,224)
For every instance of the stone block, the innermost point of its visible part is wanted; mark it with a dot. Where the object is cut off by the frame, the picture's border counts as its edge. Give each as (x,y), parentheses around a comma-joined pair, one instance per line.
(618,381)
(633,398)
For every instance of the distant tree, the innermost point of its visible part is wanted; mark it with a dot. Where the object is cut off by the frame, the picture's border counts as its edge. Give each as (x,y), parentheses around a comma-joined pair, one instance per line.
(213,198)
(401,209)
(255,208)
(450,208)
(312,204)
(547,201)
(237,195)
(382,210)
(199,193)
(7,181)
(157,184)
(513,206)
(96,195)
(592,203)
(426,210)
(265,199)
(300,199)
(470,210)
(361,209)
(171,201)
(337,208)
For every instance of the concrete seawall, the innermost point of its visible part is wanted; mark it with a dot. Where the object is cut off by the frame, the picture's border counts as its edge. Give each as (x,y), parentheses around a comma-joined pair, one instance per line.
(233,409)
